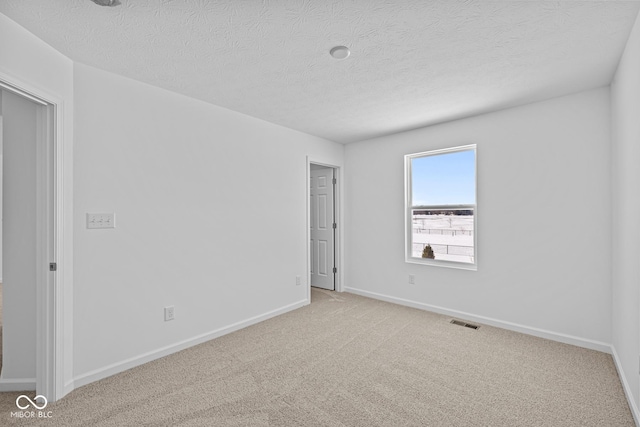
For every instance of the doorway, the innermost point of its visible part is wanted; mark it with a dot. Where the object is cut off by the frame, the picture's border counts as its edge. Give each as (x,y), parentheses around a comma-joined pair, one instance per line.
(19,147)
(30,196)
(323,226)
(1,227)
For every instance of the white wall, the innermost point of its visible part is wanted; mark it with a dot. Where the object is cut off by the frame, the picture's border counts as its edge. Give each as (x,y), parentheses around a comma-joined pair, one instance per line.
(37,66)
(210,212)
(625,104)
(19,213)
(544,216)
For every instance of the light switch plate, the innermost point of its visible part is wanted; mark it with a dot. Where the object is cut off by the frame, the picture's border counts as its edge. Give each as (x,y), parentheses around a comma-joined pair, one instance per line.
(101,220)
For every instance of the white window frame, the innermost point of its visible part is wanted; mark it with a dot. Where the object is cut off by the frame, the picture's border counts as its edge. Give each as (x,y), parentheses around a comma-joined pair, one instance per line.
(409,207)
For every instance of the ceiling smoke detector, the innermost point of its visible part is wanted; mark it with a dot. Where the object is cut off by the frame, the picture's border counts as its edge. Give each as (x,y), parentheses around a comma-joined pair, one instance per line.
(110,3)
(340,52)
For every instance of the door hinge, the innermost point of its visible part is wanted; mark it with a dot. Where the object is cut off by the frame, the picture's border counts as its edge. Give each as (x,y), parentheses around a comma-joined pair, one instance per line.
(335,270)
(335,225)
(53,266)
(335,181)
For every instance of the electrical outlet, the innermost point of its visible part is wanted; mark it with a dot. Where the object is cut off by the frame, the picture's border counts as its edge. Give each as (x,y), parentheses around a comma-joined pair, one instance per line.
(412,279)
(169,313)
(298,281)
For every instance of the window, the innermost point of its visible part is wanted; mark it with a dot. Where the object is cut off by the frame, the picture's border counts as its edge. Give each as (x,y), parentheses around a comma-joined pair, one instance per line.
(441,208)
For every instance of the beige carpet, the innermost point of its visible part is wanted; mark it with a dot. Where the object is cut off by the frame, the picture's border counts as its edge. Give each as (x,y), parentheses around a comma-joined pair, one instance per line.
(347,360)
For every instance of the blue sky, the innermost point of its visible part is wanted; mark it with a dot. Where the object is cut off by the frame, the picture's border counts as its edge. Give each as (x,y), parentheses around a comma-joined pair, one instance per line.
(444,179)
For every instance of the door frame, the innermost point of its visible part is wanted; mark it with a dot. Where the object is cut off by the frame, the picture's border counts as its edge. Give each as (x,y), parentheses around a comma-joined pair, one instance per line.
(339,233)
(53,242)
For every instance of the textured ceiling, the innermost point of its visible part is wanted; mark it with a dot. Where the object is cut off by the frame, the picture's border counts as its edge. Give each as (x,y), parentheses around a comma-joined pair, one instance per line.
(412,63)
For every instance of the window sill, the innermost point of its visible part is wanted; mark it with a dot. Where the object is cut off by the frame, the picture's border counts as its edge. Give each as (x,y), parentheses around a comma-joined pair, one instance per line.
(446,264)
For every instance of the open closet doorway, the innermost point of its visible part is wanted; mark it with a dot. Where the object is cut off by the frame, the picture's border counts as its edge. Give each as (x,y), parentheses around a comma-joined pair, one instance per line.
(1,227)
(20,241)
(28,137)
(322,226)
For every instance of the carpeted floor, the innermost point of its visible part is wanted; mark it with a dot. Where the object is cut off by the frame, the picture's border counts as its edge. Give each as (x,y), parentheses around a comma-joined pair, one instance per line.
(347,360)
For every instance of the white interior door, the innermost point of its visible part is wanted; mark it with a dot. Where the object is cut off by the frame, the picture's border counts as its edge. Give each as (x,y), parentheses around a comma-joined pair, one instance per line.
(322,228)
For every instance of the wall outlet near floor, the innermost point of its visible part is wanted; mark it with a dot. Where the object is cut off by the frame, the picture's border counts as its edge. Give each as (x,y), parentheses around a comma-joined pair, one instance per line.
(298,281)
(412,279)
(169,313)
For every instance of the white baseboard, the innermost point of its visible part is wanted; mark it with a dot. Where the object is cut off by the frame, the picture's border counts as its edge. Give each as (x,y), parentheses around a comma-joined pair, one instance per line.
(116,368)
(541,333)
(625,386)
(17,384)
(68,388)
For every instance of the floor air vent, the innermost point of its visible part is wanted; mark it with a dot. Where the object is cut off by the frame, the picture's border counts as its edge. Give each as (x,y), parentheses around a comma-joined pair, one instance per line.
(465,324)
